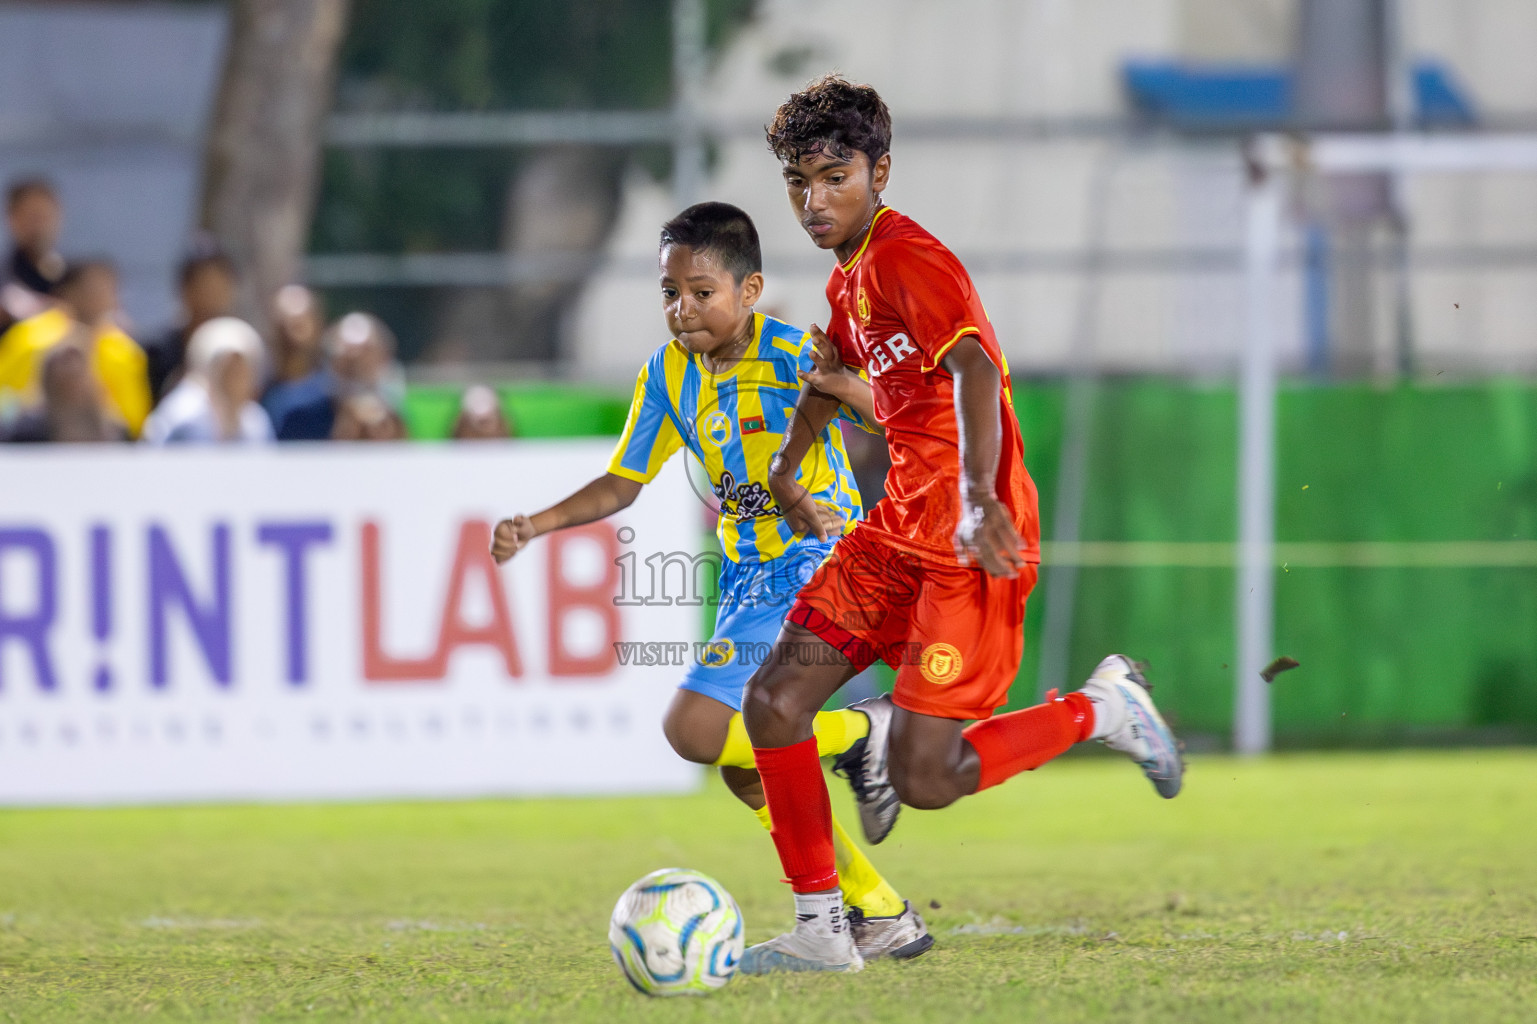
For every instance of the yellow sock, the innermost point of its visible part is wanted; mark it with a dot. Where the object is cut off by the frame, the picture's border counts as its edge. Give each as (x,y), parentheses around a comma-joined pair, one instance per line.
(862,885)
(836,731)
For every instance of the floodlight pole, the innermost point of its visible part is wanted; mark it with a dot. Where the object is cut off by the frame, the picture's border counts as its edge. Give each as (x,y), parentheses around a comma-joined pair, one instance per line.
(1256,461)
(688,74)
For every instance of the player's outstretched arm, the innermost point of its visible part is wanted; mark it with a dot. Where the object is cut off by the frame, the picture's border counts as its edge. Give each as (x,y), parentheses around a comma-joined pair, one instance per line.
(599,499)
(986,531)
(814,410)
(830,376)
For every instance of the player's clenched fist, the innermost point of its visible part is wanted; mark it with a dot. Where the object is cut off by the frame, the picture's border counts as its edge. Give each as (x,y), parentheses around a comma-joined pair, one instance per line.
(511,536)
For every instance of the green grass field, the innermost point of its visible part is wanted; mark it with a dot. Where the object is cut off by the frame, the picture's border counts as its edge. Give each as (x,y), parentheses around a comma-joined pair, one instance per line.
(1341,887)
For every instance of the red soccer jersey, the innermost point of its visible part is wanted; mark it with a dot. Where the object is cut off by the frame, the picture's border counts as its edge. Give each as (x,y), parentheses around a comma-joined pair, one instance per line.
(898,306)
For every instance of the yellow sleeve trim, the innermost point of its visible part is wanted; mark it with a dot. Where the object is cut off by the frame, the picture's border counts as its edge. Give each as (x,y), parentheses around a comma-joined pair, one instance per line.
(944,349)
(617,469)
(788,346)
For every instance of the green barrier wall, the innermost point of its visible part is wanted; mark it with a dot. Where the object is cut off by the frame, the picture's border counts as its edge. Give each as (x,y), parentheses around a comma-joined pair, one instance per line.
(533,410)
(1388,655)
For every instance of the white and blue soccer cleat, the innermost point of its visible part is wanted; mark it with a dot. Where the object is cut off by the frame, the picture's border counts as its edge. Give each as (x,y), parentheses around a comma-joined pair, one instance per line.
(1134,726)
(864,766)
(810,946)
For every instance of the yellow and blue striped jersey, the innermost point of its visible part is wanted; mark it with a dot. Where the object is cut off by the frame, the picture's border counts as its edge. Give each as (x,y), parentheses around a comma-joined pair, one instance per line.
(733,422)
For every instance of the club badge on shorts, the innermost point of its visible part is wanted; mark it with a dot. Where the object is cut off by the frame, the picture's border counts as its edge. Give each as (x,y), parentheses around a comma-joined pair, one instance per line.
(717,653)
(940,664)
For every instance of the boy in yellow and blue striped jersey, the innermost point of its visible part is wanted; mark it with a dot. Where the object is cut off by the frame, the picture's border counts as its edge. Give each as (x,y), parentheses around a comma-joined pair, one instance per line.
(726,387)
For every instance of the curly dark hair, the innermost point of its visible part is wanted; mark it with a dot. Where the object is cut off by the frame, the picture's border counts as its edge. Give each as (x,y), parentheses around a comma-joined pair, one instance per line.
(831,114)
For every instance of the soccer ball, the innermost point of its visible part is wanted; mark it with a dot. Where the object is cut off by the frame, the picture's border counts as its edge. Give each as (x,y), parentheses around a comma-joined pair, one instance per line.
(676,932)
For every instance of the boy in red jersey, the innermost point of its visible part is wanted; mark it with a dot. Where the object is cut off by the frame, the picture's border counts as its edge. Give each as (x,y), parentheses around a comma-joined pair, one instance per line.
(934,581)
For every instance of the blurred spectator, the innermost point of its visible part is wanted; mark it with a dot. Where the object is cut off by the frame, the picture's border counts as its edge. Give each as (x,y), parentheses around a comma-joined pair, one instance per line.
(367,417)
(206,282)
(362,362)
(34,268)
(87,296)
(298,323)
(480,416)
(72,406)
(216,399)
(300,376)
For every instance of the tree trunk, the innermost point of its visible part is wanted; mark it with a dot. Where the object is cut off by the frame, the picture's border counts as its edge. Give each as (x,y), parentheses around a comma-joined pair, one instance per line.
(261,169)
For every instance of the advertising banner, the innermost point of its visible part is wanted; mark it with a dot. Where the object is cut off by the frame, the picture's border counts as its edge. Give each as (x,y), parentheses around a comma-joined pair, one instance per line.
(327,622)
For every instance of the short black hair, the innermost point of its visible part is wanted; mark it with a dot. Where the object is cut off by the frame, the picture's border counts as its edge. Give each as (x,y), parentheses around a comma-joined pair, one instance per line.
(204,251)
(21,188)
(831,114)
(719,228)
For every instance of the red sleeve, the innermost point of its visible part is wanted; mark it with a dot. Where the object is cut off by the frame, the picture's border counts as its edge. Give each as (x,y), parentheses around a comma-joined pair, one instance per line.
(932,295)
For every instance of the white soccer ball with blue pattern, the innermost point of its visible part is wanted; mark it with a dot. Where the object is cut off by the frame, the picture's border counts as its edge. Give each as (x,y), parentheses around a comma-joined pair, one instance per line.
(676,932)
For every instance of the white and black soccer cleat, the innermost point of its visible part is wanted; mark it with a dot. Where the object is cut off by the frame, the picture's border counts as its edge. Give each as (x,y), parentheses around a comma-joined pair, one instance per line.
(864,766)
(1136,729)
(900,937)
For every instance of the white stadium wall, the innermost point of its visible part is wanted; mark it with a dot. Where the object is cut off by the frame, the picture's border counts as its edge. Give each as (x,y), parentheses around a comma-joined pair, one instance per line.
(1020,211)
(327,623)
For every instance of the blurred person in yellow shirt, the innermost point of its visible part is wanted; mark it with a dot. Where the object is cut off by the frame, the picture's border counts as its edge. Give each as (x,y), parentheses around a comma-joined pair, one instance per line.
(87,297)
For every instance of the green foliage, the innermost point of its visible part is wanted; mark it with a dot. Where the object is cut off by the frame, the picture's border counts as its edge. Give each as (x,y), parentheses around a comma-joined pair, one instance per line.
(521,54)
(454,55)
(1393,888)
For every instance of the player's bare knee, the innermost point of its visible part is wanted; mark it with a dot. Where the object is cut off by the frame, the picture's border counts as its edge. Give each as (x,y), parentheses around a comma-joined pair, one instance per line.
(688,742)
(774,712)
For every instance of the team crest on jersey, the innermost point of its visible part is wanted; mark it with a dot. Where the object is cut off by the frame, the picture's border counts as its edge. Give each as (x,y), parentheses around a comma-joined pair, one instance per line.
(717,427)
(940,664)
(862,303)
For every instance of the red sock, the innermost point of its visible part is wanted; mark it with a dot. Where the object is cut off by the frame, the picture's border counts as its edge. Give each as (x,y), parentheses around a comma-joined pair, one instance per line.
(802,816)
(1022,741)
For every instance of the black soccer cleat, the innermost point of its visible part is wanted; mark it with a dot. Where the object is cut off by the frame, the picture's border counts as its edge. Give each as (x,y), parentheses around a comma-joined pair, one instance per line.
(864,766)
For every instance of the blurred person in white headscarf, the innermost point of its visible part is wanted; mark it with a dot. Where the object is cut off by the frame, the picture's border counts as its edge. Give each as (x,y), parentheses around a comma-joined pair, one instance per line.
(216,400)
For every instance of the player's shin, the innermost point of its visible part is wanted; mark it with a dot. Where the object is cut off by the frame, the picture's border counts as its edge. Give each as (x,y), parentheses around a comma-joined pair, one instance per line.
(802,814)
(1021,741)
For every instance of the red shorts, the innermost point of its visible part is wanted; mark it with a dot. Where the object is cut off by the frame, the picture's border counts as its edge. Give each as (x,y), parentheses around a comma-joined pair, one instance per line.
(953,634)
